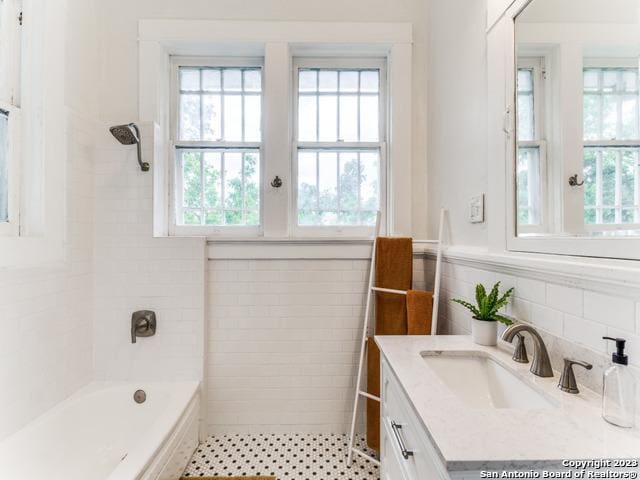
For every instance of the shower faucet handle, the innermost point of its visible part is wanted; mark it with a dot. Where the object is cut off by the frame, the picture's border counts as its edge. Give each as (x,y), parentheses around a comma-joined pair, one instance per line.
(143,324)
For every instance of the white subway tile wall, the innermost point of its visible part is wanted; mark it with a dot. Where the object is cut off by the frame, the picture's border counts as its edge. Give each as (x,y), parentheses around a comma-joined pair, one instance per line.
(134,271)
(612,311)
(45,313)
(572,320)
(566,299)
(283,343)
(585,332)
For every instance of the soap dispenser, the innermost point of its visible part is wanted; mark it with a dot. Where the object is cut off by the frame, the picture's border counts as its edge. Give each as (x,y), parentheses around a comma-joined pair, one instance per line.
(619,389)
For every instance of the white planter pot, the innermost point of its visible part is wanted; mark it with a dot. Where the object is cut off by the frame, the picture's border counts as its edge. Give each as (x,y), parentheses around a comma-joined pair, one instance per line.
(484,333)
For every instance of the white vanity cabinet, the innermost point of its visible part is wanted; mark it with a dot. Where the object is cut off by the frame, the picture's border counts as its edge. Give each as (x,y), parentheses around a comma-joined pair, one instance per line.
(429,431)
(406,453)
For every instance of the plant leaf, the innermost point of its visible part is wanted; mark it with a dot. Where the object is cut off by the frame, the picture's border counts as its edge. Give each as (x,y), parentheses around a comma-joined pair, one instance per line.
(467,305)
(504,300)
(481,293)
(493,297)
(501,318)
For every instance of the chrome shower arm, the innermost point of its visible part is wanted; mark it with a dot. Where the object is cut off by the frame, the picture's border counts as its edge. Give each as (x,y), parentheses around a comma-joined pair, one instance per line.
(144,166)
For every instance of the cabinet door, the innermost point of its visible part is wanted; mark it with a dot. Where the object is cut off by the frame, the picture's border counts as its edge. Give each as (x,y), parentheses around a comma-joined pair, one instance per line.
(391,468)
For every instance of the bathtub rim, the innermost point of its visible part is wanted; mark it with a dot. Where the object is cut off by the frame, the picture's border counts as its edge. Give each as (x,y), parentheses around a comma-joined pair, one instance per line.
(139,457)
(143,455)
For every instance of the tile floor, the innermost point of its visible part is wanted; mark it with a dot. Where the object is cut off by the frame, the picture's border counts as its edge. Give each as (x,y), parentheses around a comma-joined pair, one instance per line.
(285,456)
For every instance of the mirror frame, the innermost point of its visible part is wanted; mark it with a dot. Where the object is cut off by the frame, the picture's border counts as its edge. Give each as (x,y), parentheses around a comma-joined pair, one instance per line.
(626,248)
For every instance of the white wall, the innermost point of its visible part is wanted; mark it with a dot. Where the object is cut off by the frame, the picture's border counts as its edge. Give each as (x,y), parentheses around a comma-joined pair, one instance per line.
(45,312)
(284,338)
(134,271)
(457,168)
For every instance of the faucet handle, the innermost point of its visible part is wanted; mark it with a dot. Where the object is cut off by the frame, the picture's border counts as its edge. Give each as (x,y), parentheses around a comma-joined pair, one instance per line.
(520,352)
(567,381)
(143,324)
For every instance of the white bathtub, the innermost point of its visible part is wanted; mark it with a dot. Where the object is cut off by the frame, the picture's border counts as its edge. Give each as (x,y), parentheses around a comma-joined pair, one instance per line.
(100,433)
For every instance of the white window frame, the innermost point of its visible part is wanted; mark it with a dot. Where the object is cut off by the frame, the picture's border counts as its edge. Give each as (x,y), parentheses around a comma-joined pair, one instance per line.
(176,145)
(380,145)
(10,100)
(595,63)
(537,66)
(278,43)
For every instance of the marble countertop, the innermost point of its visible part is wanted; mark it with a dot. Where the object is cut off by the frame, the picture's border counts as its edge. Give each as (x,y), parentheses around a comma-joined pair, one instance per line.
(494,439)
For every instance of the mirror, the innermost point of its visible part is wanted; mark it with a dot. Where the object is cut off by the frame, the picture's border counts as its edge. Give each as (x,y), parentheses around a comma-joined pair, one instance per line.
(577,152)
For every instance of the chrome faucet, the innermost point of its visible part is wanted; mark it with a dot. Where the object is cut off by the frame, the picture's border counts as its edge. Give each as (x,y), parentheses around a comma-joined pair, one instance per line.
(541,365)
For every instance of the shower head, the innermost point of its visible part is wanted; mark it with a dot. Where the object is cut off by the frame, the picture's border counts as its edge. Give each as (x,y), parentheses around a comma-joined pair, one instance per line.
(130,135)
(126,134)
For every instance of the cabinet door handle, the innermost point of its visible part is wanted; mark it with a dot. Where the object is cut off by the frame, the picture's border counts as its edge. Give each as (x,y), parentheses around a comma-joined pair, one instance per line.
(396,432)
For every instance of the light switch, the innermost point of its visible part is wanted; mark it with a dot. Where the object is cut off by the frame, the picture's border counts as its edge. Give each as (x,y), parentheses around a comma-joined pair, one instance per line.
(476,209)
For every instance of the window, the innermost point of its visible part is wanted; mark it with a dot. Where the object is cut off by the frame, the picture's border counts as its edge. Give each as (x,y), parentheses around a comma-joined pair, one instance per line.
(611,148)
(339,143)
(10,67)
(531,146)
(218,148)
(290,145)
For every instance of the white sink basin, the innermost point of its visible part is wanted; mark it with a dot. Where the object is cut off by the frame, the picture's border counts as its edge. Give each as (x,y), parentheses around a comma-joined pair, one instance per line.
(482,383)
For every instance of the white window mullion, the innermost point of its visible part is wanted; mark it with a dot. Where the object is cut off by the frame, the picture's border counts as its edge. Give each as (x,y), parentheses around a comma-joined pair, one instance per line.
(202,210)
(338,183)
(243,188)
(277,139)
(178,195)
(359,176)
(223,182)
(599,186)
(317,155)
(636,195)
(222,106)
(618,188)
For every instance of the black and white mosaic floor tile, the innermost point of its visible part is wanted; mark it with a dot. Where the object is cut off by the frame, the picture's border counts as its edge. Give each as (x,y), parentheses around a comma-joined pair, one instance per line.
(284,456)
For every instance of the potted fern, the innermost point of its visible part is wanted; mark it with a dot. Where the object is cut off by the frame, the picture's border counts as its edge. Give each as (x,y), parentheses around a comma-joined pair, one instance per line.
(484,326)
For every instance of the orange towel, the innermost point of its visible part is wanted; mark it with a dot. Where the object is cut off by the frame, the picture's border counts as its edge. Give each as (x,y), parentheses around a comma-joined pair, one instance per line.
(419,309)
(394,270)
(373,387)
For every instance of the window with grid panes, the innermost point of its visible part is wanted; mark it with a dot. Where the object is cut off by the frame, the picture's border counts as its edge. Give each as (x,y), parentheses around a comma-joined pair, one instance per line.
(529,138)
(218,146)
(611,147)
(339,145)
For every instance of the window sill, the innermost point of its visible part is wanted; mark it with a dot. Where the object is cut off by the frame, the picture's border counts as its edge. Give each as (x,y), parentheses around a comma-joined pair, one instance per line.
(293,248)
(288,248)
